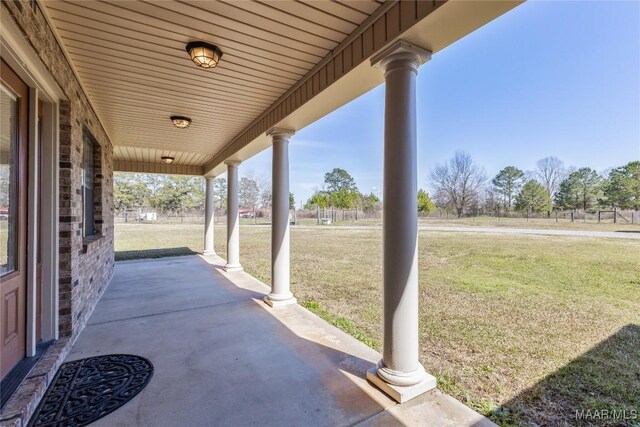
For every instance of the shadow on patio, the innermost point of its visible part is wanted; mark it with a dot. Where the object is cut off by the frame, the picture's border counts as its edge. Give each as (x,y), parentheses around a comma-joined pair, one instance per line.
(153,253)
(601,387)
(223,357)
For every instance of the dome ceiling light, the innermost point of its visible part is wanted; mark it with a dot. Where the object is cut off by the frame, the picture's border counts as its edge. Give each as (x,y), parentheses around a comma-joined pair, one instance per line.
(181,122)
(203,54)
(167,159)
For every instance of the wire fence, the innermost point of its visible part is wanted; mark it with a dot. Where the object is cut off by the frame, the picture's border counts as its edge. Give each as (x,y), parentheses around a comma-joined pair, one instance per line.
(328,216)
(148,215)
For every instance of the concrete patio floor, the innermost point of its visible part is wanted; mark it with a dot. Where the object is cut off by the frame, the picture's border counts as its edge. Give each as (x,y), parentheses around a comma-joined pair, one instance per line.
(223,357)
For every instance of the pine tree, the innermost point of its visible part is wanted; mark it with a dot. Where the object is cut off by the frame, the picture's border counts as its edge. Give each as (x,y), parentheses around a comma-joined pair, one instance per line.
(533,196)
(507,183)
(622,188)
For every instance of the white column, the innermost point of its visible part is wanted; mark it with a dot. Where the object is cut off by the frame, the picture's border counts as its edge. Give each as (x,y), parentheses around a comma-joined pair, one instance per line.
(233,218)
(400,373)
(209,208)
(280,250)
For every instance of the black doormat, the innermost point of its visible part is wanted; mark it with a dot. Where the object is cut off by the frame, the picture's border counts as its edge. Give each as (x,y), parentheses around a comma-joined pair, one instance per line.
(86,390)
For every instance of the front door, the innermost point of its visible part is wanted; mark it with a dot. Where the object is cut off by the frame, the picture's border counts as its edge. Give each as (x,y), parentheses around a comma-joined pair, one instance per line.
(14,95)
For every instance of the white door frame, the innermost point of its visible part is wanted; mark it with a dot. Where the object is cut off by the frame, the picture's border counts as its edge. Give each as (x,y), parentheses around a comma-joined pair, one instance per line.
(18,53)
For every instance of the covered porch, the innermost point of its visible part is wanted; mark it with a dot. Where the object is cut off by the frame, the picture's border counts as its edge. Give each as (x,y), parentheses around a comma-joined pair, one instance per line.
(224,357)
(126,90)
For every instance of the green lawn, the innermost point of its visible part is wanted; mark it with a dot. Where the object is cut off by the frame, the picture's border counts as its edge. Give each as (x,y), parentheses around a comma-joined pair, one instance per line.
(525,329)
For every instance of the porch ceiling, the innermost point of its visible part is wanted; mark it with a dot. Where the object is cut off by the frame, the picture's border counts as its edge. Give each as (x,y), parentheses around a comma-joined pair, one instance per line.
(130,56)
(285,63)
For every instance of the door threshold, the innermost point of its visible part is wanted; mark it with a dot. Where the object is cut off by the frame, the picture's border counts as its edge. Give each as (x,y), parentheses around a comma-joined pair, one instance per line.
(13,379)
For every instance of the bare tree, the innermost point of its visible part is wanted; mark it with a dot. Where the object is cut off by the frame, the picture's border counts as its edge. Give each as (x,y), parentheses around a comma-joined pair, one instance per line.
(459,180)
(490,201)
(266,198)
(550,172)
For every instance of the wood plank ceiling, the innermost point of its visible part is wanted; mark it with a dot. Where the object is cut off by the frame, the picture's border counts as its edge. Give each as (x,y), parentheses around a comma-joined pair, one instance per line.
(130,56)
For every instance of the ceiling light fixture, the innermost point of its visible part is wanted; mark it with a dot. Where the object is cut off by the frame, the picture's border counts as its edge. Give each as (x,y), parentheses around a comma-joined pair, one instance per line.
(203,54)
(166,159)
(180,122)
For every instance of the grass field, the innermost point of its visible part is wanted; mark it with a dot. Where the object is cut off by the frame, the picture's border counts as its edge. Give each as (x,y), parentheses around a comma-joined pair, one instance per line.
(524,329)
(540,223)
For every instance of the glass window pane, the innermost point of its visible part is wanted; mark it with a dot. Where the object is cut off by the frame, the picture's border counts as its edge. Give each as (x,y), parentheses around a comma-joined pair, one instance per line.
(88,162)
(87,185)
(8,183)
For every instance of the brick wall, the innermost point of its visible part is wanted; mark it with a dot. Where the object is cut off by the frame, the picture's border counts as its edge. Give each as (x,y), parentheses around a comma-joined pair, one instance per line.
(86,267)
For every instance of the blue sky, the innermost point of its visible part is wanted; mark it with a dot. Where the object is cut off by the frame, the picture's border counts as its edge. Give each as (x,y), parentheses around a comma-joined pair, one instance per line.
(558,78)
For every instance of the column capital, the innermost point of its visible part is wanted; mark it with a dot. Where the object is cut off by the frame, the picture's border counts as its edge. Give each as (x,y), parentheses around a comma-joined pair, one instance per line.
(210,177)
(401,54)
(280,133)
(233,163)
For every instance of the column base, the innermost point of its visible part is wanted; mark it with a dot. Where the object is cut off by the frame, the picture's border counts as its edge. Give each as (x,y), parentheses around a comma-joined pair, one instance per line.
(279,302)
(231,267)
(398,393)
(209,253)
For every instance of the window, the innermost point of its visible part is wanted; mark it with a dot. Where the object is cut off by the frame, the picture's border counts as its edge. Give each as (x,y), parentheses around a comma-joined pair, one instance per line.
(88,185)
(9,157)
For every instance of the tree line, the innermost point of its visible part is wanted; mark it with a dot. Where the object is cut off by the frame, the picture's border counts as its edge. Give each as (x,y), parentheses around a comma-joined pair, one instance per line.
(340,191)
(178,194)
(162,193)
(462,185)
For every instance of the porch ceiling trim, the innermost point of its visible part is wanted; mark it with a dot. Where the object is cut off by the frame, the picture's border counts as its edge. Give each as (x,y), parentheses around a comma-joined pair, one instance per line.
(142,167)
(384,25)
